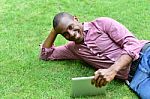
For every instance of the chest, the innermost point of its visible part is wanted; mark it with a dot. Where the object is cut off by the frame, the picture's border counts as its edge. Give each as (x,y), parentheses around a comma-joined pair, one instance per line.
(99,41)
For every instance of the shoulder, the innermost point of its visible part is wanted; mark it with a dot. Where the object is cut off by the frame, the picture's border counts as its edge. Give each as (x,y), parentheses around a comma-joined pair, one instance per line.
(100,20)
(103,19)
(102,23)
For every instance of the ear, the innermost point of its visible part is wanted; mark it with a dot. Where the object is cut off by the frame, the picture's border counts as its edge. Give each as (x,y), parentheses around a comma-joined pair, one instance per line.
(75,18)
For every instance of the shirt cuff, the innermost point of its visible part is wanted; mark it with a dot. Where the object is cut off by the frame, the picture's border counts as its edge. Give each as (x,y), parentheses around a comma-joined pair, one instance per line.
(132,54)
(43,49)
(46,52)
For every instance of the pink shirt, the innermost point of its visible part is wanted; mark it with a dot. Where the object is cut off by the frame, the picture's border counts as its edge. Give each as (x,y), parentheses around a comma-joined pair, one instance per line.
(105,40)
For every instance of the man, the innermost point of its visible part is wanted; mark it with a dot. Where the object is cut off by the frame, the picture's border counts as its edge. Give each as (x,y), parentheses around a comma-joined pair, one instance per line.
(105,44)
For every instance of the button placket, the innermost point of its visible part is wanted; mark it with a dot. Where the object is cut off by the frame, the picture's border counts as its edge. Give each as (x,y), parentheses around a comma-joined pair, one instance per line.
(94,52)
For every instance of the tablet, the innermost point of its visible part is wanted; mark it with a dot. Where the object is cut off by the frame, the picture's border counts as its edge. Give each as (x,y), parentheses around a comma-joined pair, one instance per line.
(81,86)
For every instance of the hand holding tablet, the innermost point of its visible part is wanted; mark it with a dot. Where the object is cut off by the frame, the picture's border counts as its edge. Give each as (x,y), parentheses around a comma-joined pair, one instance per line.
(81,86)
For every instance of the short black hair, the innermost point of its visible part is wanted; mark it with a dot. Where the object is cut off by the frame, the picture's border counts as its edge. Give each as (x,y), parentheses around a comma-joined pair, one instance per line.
(58,16)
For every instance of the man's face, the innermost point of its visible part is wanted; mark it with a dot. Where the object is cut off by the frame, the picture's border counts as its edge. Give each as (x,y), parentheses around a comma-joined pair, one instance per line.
(70,29)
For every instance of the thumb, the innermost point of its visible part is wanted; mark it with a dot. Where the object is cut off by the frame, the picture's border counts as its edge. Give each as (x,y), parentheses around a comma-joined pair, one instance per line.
(97,72)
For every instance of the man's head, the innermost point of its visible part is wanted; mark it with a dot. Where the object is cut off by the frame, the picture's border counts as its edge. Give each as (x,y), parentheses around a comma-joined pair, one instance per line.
(68,26)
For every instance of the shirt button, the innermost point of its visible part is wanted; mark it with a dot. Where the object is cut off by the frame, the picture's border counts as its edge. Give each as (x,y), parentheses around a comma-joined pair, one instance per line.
(79,49)
(98,55)
(91,49)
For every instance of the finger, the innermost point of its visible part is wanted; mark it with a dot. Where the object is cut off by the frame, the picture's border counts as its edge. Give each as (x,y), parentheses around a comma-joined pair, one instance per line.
(96,77)
(98,81)
(102,82)
(93,80)
(97,72)
(105,82)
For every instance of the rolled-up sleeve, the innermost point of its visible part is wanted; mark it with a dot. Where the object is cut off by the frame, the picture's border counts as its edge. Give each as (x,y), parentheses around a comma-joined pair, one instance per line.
(121,36)
(46,52)
(56,53)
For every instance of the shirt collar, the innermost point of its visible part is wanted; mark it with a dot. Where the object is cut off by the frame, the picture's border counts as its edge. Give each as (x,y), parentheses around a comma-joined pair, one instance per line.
(85,26)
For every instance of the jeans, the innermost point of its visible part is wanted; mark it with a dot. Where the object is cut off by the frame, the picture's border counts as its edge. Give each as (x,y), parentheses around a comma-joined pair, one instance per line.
(141,80)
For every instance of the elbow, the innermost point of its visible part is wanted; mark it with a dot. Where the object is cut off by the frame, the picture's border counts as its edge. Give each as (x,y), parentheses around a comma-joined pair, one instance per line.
(43,56)
(46,55)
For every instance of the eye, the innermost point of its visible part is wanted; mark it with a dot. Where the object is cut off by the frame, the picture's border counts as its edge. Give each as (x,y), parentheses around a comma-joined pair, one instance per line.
(70,27)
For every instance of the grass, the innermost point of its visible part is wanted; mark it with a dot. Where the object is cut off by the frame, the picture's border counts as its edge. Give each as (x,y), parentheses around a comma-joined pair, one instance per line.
(24,24)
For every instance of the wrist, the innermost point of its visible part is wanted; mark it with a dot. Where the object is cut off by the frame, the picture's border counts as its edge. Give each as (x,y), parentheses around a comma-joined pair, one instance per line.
(114,68)
(50,39)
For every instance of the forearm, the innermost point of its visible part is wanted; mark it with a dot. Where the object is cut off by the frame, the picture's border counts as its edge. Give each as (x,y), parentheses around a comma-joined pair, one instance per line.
(103,76)
(121,63)
(50,39)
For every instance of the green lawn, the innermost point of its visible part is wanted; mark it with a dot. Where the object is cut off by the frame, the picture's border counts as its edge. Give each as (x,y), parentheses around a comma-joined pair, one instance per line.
(24,24)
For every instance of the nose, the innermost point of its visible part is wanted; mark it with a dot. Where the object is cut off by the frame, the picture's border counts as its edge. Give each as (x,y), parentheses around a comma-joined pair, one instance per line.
(72,33)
